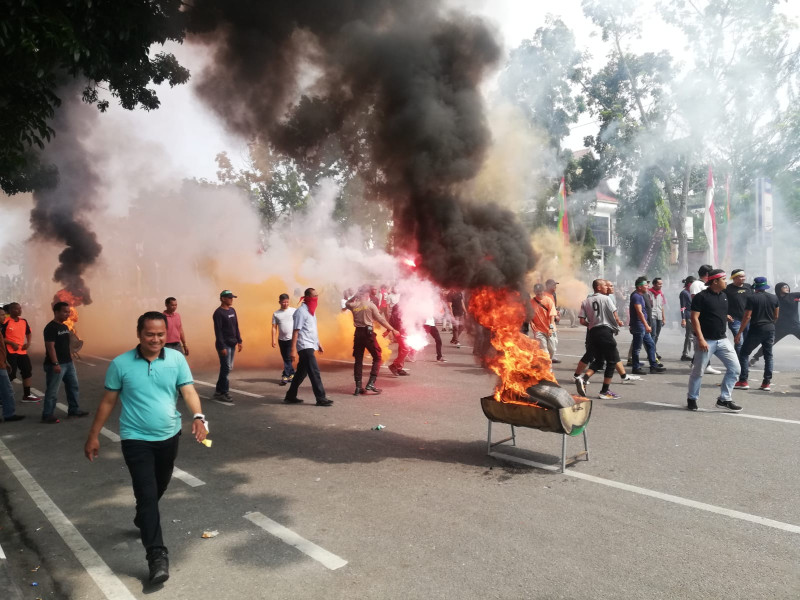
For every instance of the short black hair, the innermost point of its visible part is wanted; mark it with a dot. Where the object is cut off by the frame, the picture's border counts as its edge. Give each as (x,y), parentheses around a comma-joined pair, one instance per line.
(597,283)
(59,305)
(689,280)
(307,293)
(151,315)
(168,300)
(283,297)
(640,280)
(704,270)
(657,279)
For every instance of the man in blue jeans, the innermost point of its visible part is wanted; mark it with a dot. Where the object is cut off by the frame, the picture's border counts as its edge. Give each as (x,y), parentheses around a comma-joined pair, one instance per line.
(640,329)
(709,319)
(6,392)
(227,341)
(738,292)
(758,326)
(58,366)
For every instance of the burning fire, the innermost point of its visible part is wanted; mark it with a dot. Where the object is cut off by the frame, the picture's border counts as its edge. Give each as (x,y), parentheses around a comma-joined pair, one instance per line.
(520,362)
(409,262)
(73,301)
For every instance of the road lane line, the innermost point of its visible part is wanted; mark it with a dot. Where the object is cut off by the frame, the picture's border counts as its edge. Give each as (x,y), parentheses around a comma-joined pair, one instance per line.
(83,362)
(327,559)
(730,414)
(242,392)
(187,478)
(719,510)
(98,357)
(2,554)
(109,584)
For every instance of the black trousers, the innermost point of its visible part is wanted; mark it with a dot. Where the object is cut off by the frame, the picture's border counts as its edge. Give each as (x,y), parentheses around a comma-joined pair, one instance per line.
(434,333)
(306,367)
(150,465)
(365,339)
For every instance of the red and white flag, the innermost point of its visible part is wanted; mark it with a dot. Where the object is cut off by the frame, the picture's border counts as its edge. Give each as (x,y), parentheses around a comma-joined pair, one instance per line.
(710,221)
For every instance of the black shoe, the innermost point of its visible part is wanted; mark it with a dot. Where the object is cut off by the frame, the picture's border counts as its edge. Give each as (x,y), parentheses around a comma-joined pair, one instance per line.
(394,370)
(371,386)
(580,385)
(658,356)
(728,404)
(50,420)
(293,400)
(403,372)
(555,361)
(14,418)
(691,404)
(324,402)
(658,369)
(225,398)
(158,562)
(639,371)
(78,413)
(359,390)
(686,358)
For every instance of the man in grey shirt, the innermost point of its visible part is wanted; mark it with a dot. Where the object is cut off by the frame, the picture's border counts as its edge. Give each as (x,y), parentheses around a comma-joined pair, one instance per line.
(305,342)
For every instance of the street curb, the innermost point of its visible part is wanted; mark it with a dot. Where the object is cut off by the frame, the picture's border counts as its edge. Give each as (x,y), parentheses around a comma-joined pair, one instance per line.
(10,589)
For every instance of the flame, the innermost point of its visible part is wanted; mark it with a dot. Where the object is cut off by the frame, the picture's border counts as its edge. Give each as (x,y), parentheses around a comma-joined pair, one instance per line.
(73,301)
(520,362)
(410,262)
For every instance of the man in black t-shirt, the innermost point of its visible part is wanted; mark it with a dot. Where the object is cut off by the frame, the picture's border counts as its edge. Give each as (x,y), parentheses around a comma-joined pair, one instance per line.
(787,323)
(738,292)
(456,301)
(760,313)
(709,319)
(58,366)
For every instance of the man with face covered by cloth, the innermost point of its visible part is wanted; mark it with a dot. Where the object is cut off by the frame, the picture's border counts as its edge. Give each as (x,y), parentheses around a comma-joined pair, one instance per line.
(365,313)
(305,342)
(787,322)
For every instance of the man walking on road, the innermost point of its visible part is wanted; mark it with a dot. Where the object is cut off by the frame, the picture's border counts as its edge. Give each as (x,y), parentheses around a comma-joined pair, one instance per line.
(685,300)
(787,323)
(640,329)
(176,340)
(17,333)
(758,326)
(543,323)
(365,313)
(698,285)
(283,325)
(147,381)
(227,341)
(709,319)
(305,342)
(58,367)
(550,289)
(6,392)
(738,292)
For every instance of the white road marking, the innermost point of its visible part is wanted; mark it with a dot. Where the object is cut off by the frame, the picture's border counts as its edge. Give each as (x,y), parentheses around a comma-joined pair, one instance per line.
(328,559)
(187,478)
(242,392)
(2,554)
(98,357)
(83,362)
(730,414)
(726,512)
(109,584)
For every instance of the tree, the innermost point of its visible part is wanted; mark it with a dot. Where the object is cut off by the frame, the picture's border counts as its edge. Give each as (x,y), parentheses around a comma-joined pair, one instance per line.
(48,43)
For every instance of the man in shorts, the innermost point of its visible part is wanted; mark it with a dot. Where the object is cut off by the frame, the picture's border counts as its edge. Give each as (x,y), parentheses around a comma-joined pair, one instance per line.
(17,333)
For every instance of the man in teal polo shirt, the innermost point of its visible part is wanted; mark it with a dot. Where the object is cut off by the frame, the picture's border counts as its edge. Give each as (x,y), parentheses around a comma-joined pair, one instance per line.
(147,381)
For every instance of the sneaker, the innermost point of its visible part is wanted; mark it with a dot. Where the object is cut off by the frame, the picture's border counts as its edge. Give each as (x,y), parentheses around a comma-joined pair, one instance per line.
(77,414)
(394,370)
(741,385)
(631,378)
(403,372)
(629,363)
(441,359)
(764,387)
(609,395)
(159,566)
(686,358)
(51,420)
(753,362)
(224,398)
(658,369)
(31,398)
(691,404)
(658,357)
(712,371)
(13,418)
(284,381)
(291,377)
(555,361)
(639,371)
(580,384)
(293,400)
(729,404)
(324,402)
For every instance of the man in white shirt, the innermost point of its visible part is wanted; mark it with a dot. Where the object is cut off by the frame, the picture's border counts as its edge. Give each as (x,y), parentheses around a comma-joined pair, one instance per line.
(283,325)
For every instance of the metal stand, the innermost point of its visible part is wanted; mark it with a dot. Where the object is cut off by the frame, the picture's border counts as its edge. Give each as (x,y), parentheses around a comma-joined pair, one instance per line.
(513,439)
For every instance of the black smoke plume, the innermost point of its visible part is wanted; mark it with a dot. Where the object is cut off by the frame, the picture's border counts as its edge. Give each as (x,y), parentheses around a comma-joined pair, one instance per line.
(398,77)
(65,194)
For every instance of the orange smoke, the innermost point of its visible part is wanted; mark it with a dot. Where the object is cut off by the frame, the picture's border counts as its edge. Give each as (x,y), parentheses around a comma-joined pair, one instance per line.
(73,301)
(520,361)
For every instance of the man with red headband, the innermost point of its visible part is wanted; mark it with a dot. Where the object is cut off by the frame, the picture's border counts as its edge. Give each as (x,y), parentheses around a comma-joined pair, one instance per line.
(305,342)
(710,319)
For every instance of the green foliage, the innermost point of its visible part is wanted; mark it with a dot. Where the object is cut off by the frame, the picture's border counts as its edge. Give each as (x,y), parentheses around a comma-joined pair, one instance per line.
(642,210)
(45,44)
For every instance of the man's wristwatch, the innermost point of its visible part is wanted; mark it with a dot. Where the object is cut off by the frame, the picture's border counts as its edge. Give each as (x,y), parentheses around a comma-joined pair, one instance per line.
(200,416)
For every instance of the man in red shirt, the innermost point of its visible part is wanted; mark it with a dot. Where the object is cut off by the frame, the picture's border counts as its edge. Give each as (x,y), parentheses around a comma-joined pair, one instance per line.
(17,333)
(544,318)
(175,338)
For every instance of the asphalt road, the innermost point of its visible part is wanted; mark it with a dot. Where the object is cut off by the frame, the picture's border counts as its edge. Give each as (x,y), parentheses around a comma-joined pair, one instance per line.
(672,504)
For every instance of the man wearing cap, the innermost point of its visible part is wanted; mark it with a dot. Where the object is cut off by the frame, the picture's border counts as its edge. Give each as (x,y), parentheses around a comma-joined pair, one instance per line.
(760,313)
(640,329)
(227,341)
(738,292)
(550,290)
(787,323)
(305,342)
(709,319)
